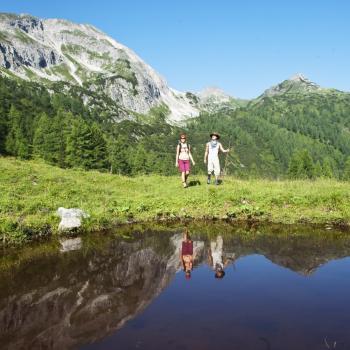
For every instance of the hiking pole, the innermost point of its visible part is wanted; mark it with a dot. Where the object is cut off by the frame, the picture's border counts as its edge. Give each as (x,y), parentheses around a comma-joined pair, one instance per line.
(224,172)
(235,158)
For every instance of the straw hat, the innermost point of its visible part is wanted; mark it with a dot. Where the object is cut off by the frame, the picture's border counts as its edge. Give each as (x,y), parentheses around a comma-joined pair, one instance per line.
(215,134)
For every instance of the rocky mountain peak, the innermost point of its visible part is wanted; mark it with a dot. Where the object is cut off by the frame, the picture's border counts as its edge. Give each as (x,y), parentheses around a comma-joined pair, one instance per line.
(47,50)
(298,83)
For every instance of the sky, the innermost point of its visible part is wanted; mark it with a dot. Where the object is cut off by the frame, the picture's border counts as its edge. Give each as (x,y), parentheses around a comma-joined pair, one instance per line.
(242,47)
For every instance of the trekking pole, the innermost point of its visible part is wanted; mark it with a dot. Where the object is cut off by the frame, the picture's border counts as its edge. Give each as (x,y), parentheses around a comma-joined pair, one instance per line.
(236,160)
(224,172)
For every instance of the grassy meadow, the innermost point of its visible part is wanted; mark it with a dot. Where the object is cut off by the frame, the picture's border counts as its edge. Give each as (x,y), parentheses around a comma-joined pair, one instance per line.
(32,191)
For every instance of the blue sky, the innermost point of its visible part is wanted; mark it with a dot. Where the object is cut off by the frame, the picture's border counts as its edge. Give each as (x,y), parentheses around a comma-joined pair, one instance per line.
(242,47)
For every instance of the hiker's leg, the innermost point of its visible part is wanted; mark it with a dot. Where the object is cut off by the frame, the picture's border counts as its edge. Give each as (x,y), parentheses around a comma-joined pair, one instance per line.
(187,169)
(210,170)
(183,176)
(217,170)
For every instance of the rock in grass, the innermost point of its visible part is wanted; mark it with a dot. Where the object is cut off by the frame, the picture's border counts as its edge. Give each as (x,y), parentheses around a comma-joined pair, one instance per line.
(70,218)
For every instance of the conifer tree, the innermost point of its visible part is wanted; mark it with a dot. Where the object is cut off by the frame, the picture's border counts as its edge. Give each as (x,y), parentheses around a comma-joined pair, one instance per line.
(16,141)
(346,172)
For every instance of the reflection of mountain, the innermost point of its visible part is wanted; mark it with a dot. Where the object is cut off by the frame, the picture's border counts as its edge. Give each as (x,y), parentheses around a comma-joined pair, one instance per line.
(64,300)
(74,299)
(301,254)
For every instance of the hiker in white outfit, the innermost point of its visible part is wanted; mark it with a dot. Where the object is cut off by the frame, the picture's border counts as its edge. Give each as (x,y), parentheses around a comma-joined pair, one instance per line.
(216,258)
(211,156)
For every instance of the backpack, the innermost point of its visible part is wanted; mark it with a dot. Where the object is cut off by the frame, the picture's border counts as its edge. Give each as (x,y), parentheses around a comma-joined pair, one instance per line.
(188,146)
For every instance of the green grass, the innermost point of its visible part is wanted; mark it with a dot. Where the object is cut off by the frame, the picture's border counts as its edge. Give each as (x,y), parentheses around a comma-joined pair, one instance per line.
(31,192)
(62,70)
(4,37)
(22,36)
(75,32)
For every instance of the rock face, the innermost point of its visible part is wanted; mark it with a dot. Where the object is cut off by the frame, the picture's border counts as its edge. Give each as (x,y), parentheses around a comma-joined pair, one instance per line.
(70,218)
(56,50)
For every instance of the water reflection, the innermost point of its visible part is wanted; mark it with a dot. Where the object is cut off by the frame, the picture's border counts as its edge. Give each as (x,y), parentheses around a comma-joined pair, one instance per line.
(61,301)
(187,256)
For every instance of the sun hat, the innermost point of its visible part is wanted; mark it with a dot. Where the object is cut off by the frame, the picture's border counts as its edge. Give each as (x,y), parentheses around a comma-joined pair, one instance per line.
(215,134)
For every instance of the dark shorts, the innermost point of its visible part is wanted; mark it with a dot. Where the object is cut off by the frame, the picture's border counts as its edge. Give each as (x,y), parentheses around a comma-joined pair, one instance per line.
(184,165)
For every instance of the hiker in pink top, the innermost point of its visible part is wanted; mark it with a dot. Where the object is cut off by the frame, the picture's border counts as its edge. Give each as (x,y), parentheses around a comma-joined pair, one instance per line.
(183,158)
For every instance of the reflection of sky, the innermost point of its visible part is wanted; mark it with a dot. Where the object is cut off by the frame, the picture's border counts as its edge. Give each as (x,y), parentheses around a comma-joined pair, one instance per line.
(257,302)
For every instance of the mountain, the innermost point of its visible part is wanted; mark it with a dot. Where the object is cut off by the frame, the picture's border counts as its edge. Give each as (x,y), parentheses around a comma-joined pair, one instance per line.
(51,50)
(213,99)
(298,83)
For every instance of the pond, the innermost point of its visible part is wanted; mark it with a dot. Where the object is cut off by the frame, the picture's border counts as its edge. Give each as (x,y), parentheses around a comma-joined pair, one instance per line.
(264,287)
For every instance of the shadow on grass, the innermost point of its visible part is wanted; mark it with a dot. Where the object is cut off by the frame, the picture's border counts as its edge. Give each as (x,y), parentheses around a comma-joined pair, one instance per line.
(194,183)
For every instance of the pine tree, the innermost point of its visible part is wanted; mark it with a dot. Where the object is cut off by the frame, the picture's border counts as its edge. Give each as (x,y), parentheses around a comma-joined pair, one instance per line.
(49,138)
(295,165)
(308,168)
(118,149)
(86,147)
(346,172)
(16,141)
(301,166)
(327,169)
(39,140)
(3,129)
(318,169)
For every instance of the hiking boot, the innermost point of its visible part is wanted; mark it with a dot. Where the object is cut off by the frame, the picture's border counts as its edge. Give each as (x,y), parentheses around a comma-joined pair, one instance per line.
(216,182)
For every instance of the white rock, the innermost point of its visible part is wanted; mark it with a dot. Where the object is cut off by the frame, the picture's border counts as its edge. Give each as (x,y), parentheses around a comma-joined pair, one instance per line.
(70,218)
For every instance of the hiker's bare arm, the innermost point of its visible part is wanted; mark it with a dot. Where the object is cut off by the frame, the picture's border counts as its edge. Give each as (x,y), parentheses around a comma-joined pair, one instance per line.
(206,153)
(177,155)
(224,150)
(190,155)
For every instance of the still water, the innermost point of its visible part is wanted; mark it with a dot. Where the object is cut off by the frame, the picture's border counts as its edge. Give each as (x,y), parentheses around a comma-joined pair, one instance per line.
(280,289)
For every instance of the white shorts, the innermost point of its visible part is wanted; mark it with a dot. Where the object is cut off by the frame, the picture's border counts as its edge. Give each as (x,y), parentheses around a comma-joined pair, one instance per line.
(214,165)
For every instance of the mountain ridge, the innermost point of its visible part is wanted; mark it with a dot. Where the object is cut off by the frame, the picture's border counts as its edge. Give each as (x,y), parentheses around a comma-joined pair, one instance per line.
(49,50)
(58,50)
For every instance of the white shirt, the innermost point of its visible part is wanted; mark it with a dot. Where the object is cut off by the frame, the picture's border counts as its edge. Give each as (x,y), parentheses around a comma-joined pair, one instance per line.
(213,149)
(184,151)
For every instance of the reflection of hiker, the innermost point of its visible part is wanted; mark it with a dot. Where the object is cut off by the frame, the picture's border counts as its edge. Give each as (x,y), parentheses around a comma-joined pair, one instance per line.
(216,257)
(186,255)
(211,156)
(183,158)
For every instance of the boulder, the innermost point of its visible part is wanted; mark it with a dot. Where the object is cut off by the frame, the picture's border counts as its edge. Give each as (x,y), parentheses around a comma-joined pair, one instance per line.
(70,218)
